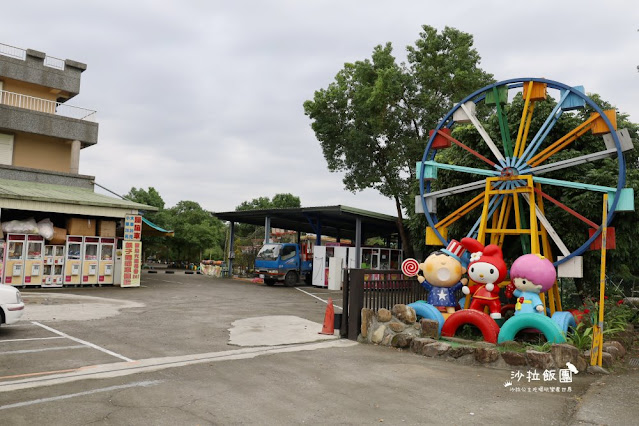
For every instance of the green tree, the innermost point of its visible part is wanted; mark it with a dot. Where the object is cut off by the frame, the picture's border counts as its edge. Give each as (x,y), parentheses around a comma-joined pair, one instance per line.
(196,230)
(373,121)
(152,245)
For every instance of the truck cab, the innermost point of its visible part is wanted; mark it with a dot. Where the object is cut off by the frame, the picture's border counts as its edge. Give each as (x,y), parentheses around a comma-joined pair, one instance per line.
(283,262)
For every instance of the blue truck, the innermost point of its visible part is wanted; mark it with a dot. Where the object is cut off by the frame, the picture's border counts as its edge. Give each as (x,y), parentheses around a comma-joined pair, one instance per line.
(284,262)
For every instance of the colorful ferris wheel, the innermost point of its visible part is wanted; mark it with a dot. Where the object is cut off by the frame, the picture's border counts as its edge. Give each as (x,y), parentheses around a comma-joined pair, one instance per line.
(511,197)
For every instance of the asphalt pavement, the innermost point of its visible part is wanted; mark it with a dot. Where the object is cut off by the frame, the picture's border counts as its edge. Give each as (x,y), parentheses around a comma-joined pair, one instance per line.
(189,349)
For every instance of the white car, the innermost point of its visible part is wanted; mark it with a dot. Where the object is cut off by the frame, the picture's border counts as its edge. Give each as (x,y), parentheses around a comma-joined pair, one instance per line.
(11,304)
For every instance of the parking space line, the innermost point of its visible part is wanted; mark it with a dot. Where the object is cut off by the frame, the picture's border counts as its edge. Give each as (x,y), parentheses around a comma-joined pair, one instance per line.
(32,338)
(120,369)
(318,298)
(75,339)
(28,351)
(39,373)
(73,395)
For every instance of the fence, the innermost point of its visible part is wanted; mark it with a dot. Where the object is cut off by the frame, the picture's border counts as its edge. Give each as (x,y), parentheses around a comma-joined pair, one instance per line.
(44,105)
(374,289)
(18,53)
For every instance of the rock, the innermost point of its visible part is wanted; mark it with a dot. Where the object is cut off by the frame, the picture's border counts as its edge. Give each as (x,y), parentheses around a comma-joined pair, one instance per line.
(468,359)
(612,350)
(595,369)
(510,345)
(542,360)
(460,351)
(397,327)
(582,363)
(384,315)
(483,344)
(607,360)
(486,355)
(404,313)
(429,328)
(619,346)
(435,349)
(367,319)
(418,343)
(378,334)
(401,340)
(387,340)
(459,340)
(563,353)
(514,358)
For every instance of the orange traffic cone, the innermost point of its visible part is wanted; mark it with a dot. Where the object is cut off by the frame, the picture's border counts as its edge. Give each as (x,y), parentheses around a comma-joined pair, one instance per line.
(329,319)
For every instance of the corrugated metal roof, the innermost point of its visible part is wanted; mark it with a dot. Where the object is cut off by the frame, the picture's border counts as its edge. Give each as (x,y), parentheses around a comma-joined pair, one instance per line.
(65,195)
(333,221)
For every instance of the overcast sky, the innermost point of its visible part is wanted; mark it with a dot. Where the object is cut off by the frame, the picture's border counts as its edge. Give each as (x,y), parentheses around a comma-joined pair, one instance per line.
(202,100)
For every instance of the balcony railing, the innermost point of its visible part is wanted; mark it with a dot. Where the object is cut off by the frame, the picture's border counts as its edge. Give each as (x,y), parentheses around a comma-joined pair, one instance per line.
(16,52)
(43,105)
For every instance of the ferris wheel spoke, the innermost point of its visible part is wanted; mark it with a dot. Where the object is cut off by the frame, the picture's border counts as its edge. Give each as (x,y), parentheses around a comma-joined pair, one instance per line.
(571,162)
(542,133)
(551,231)
(573,185)
(472,151)
(564,141)
(431,165)
(566,208)
(484,134)
(461,212)
(478,228)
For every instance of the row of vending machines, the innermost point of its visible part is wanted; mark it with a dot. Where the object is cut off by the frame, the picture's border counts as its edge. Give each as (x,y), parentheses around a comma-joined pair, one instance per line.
(29,261)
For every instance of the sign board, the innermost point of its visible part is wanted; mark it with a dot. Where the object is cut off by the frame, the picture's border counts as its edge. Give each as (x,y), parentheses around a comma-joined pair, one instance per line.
(132,227)
(131,263)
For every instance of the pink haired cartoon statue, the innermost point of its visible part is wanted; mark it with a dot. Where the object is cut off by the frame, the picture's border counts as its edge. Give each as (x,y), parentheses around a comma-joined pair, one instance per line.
(531,274)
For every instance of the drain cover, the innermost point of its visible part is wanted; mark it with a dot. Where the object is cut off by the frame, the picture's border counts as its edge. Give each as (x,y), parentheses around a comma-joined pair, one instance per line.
(634,362)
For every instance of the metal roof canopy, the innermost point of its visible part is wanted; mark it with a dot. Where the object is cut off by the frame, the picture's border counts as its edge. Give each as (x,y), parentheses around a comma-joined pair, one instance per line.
(44,197)
(333,221)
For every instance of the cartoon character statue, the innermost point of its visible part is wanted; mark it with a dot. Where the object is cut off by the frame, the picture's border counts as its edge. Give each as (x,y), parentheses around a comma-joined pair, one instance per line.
(441,274)
(531,274)
(487,268)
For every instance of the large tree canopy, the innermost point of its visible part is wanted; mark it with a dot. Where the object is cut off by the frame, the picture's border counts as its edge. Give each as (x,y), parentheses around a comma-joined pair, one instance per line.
(373,120)
(197,232)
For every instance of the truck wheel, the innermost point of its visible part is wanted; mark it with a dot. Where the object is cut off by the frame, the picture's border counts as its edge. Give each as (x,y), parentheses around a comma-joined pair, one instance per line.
(269,281)
(290,279)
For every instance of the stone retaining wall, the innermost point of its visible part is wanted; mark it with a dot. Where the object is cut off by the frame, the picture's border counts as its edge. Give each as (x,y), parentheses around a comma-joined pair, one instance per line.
(398,328)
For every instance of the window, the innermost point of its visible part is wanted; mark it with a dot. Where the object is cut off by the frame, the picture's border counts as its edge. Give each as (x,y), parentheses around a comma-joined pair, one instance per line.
(6,149)
(288,252)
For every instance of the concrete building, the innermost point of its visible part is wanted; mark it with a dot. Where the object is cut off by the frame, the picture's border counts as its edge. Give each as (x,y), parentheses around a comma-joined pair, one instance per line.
(41,138)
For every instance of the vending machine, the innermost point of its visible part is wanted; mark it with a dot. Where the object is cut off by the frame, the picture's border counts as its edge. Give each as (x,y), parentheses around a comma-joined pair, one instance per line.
(14,259)
(73,260)
(35,259)
(48,255)
(105,267)
(90,260)
(53,275)
(58,266)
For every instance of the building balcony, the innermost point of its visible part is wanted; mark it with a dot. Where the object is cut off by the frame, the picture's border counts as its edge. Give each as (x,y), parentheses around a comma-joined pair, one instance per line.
(44,105)
(44,117)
